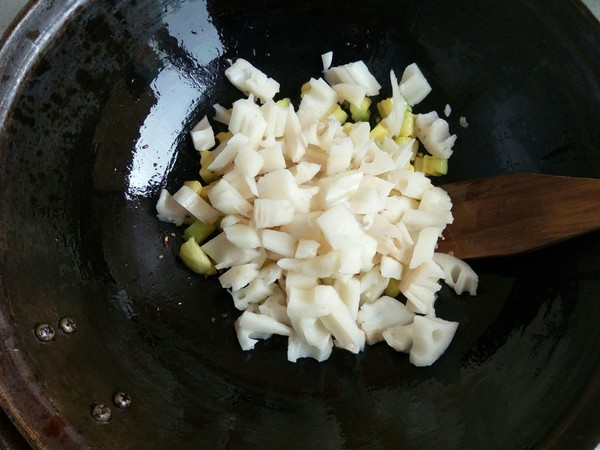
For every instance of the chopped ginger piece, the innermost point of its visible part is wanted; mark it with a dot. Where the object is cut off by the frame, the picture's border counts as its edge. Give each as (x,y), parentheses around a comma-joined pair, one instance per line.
(340,115)
(379,132)
(408,125)
(384,107)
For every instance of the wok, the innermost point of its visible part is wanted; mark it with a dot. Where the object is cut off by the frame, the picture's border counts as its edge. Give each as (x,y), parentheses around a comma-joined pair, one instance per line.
(96,101)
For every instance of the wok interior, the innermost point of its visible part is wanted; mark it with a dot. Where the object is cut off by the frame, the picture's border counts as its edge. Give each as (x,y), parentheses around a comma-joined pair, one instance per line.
(100,125)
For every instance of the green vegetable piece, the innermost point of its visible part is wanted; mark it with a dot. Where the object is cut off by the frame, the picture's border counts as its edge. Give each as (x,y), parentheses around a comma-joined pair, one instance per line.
(193,257)
(199,231)
(363,113)
(431,165)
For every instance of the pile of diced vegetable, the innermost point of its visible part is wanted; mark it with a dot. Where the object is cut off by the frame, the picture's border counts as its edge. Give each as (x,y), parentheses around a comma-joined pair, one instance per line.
(321,220)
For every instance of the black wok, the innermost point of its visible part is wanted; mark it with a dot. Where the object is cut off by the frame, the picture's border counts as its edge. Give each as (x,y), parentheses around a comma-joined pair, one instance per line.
(96,99)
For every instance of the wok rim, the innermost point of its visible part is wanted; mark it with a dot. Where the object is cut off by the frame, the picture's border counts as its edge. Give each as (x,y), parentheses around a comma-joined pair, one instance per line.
(21,398)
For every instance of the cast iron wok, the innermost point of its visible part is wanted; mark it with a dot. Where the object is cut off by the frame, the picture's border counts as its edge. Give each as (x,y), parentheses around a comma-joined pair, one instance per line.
(96,99)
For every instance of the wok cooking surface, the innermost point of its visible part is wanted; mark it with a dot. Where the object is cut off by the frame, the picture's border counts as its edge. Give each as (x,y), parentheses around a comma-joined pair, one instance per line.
(96,101)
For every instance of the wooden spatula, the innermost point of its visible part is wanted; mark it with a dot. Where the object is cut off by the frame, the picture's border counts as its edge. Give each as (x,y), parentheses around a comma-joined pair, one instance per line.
(516,213)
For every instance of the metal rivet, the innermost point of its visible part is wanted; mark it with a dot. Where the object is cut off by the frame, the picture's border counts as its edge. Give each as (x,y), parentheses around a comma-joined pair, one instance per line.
(122,400)
(67,325)
(44,332)
(101,413)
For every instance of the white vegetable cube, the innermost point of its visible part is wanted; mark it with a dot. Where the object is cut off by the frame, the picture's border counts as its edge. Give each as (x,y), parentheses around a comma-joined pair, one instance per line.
(246,186)
(203,136)
(409,183)
(272,213)
(385,312)
(243,235)
(326,59)
(226,254)
(232,219)
(226,152)
(304,303)
(322,266)
(275,308)
(222,114)
(281,185)
(360,134)
(367,201)
(295,144)
(393,121)
(413,85)
(255,292)
(340,322)
(400,154)
(282,243)
(248,161)
(349,292)
(350,92)
(299,348)
(416,219)
(304,226)
(372,285)
(272,157)
(270,273)
(196,205)
(397,205)
(376,161)
(276,117)
(322,133)
(382,186)
(307,248)
(431,338)
(224,197)
(314,332)
(317,102)
(420,287)
(424,246)
(251,326)
(305,171)
(388,236)
(339,187)
(390,268)
(434,200)
(340,227)
(298,280)
(340,154)
(247,119)
(239,276)
(355,72)
(399,337)
(458,274)
(369,250)
(170,210)
(349,261)
(434,133)
(251,80)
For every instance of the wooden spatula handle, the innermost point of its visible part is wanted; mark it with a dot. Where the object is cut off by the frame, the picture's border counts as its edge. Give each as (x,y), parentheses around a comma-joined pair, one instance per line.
(515,213)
